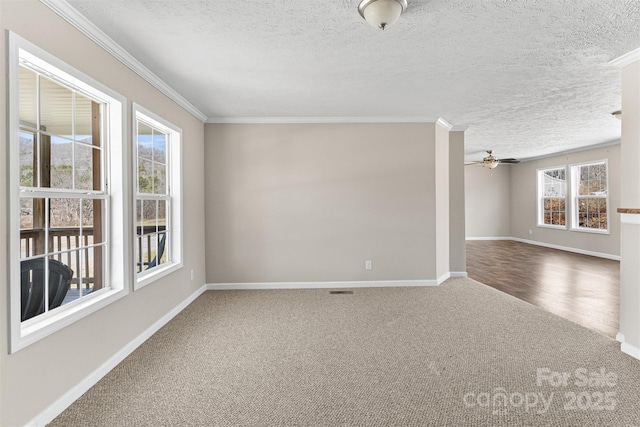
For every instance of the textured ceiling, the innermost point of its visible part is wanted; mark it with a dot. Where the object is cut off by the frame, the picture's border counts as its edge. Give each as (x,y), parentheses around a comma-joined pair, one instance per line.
(528,77)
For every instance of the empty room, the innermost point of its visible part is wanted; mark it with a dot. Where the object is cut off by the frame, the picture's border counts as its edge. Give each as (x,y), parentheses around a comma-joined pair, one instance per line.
(338,213)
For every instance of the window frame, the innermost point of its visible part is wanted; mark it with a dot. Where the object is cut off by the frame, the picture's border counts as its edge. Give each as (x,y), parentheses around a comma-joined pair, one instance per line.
(575,196)
(115,179)
(175,201)
(540,198)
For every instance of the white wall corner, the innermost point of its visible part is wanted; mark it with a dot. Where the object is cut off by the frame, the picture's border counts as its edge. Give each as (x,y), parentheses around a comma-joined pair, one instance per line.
(83,386)
(620,337)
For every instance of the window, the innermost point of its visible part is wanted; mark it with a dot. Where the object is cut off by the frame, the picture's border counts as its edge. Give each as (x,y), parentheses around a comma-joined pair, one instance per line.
(590,197)
(66,188)
(157,188)
(552,192)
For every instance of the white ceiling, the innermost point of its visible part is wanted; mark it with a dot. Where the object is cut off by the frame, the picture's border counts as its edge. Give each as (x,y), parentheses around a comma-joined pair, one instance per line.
(528,77)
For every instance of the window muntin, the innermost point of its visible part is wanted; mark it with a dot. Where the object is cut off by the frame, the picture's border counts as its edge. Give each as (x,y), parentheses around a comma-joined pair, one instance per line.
(66,203)
(552,194)
(590,197)
(157,188)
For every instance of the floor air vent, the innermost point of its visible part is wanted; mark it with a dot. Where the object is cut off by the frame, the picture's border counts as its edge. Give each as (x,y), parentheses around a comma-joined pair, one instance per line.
(341,292)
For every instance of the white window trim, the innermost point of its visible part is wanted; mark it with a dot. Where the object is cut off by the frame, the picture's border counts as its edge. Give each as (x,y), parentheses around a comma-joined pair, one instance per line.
(540,194)
(23,334)
(574,197)
(175,172)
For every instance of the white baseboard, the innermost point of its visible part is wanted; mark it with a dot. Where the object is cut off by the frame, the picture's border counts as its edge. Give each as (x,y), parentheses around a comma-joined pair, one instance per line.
(568,249)
(320,285)
(488,238)
(631,350)
(620,337)
(443,278)
(459,274)
(552,246)
(79,389)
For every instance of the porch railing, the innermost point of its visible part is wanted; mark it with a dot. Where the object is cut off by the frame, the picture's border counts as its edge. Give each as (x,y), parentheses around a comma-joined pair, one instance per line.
(67,246)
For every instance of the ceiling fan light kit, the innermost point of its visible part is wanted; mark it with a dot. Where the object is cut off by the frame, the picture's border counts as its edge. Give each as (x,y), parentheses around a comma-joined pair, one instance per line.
(491,162)
(381,13)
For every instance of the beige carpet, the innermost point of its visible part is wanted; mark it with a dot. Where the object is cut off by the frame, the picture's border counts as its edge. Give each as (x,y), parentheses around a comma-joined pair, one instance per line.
(437,356)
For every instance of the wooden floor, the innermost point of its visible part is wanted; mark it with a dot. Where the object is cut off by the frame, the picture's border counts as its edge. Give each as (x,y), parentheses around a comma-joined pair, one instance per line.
(581,288)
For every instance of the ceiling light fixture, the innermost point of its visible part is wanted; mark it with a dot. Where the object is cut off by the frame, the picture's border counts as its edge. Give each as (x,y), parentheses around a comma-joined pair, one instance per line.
(617,114)
(381,13)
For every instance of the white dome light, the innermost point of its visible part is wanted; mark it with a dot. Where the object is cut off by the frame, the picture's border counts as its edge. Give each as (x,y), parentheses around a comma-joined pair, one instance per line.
(381,13)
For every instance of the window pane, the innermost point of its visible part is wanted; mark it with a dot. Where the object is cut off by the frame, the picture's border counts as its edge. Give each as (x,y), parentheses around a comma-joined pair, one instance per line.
(28,96)
(150,216)
(61,163)
(159,178)
(26,214)
(149,247)
(162,215)
(160,147)
(91,231)
(65,213)
(32,290)
(55,108)
(27,145)
(145,176)
(554,183)
(161,254)
(31,237)
(83,157)
(65,225)
(145,143)
(83,119)
(139,217)
(74,262)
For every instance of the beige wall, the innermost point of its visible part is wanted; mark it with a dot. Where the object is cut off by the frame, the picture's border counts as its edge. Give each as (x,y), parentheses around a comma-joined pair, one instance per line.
(457,248)
(487,201)
(312,202)
(35,377)
(523,203)
(441,168)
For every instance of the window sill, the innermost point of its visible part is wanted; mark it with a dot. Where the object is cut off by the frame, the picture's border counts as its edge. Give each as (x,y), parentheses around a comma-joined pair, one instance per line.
(147,278)
(40,327)
(591,230)
(554,227)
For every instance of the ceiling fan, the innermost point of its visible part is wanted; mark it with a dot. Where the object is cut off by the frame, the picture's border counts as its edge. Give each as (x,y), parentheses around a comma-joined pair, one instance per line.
(491,162)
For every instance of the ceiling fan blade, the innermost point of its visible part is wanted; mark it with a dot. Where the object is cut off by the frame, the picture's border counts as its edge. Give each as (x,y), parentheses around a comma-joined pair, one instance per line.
(509,161)
(475,162)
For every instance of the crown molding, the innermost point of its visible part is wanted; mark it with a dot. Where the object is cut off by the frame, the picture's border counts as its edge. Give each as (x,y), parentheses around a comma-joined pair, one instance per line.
(311,120)
(445,124)
(573,150)
(89,29)
(626,59)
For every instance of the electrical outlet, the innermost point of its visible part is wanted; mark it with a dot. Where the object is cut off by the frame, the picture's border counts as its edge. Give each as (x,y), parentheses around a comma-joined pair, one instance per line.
(530,231)
(368,264)
(193,274)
